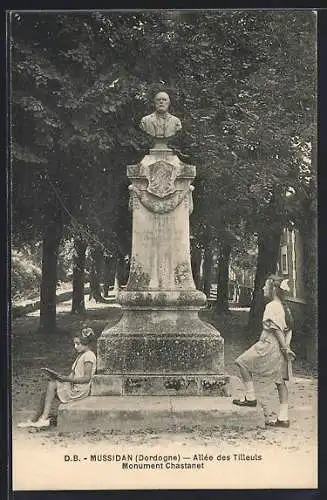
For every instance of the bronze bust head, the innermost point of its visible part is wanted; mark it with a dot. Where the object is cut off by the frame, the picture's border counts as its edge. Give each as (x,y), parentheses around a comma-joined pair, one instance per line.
(161,124)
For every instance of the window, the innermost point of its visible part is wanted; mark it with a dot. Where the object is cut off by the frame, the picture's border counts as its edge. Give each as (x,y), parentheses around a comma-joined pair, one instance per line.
(283,259)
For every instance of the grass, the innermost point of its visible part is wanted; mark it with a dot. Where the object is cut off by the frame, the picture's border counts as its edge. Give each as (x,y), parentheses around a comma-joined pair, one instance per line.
(31,350)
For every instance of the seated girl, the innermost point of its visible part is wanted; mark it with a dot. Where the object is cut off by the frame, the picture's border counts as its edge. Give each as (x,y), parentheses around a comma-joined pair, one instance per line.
(71,387)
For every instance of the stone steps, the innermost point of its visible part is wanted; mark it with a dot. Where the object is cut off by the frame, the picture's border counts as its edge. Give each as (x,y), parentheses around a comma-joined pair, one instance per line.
(157,414)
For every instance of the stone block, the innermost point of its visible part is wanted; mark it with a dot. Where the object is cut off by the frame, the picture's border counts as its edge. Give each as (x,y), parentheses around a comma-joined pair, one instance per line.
(161,354)
(141,385)
(130,414)
(107,385)
(161,342)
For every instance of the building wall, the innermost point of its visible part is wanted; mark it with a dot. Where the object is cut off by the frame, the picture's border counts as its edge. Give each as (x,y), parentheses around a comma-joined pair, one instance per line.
(291,263)
(292,247)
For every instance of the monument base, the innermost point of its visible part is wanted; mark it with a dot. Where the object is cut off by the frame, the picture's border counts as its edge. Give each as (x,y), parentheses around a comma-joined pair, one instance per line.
(161,342)
(132,414)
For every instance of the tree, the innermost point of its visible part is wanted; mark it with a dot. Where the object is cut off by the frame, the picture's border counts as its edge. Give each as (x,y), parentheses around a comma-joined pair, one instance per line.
(223,274)
(241,81)
(79,256)
(43,97)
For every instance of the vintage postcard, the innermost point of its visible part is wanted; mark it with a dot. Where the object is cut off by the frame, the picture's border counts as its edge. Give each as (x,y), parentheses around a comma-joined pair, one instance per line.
(163,249)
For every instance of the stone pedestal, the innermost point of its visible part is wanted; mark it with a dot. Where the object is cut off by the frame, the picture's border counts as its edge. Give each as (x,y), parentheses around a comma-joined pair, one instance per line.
(160,346)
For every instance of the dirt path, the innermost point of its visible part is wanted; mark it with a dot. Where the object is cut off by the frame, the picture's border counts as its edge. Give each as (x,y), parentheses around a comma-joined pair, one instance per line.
(288,455)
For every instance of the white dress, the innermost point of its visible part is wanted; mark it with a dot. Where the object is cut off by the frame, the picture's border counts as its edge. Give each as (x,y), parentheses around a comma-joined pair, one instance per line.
(68,391)
(265,357)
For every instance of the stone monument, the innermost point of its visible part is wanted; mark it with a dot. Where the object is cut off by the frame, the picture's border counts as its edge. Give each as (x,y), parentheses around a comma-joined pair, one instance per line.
(160,346)
(155,362)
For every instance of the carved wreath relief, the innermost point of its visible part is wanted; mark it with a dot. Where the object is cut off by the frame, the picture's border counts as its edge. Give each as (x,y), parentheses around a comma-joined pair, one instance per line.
(160,195)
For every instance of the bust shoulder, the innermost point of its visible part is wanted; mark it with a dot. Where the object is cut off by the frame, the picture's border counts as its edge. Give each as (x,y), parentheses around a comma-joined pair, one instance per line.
(173,119)
(154,117)
(147,118)
(160,126)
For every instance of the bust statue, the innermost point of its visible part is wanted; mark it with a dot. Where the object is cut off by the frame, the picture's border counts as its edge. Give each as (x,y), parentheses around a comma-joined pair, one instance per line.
(161,124)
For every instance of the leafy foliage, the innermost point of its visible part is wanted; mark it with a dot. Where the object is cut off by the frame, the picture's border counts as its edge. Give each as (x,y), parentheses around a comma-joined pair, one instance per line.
(25,274)
(242,82)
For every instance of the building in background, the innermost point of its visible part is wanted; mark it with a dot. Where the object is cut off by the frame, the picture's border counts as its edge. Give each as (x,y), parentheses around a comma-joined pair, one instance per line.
(291,263)
(240,285)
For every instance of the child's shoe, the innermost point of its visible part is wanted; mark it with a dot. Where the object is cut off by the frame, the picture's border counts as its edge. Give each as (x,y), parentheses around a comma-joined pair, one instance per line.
(278,423)
(24,425)
(41,423)
(245,402)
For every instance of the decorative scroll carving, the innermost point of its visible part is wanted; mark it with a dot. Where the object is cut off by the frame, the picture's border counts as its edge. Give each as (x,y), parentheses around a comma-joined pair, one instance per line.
(190,199)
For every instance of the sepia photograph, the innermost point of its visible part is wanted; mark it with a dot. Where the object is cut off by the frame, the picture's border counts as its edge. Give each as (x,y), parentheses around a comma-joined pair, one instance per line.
(163,249)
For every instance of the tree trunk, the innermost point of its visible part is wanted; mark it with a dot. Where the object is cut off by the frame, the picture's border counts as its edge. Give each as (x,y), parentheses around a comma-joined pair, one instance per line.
(48,287)
(78,304)
(196,257)
(223,278)
(95,286)
(310,247)
(122,269)
(107,277)
(268,253)
(207,268)
(310,251)
(116,282)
